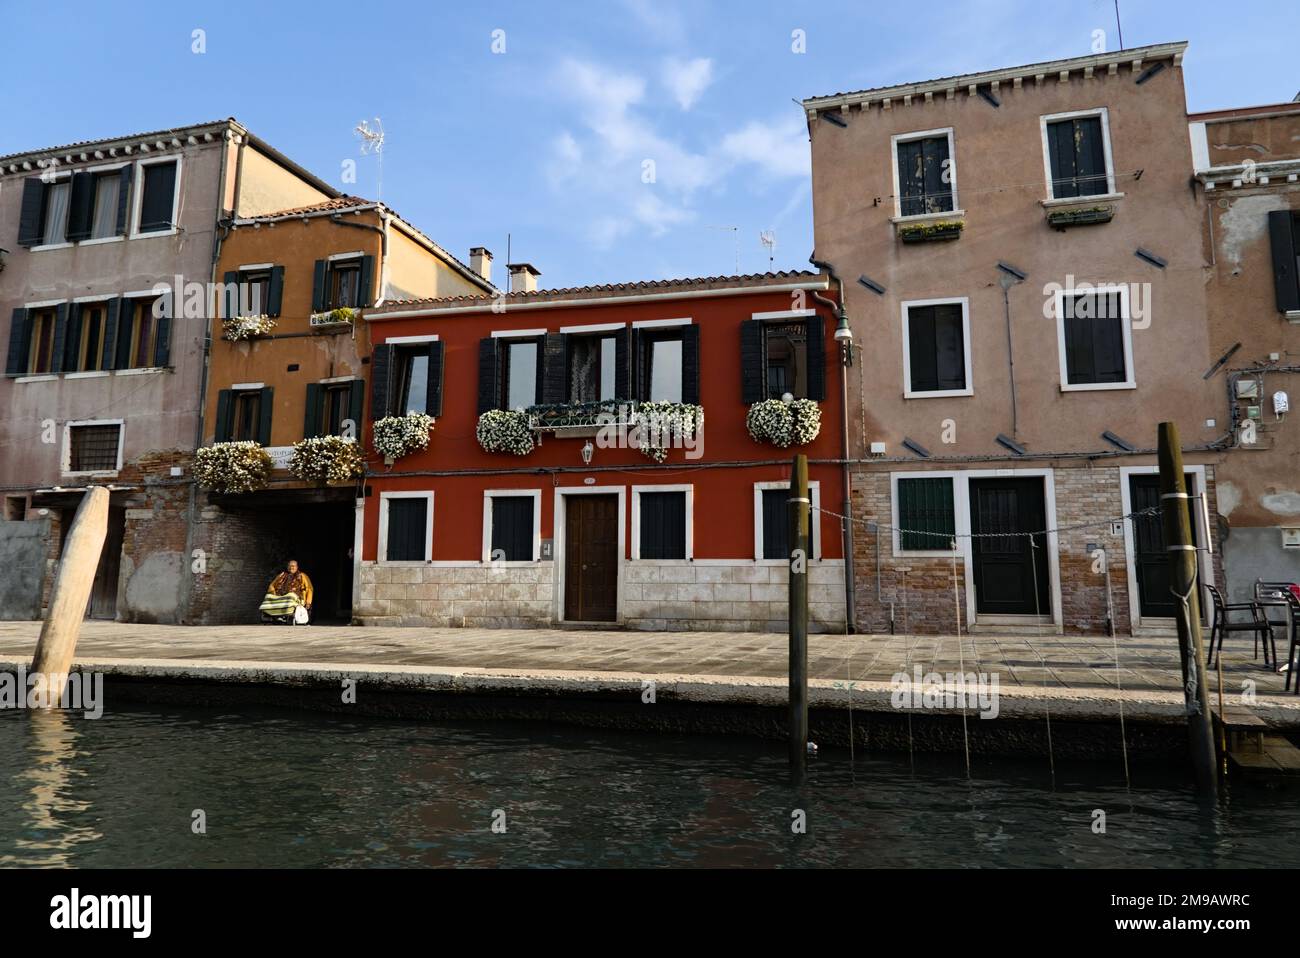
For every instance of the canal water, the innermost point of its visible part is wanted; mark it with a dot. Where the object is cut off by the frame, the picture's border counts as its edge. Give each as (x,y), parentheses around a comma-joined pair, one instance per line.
(298,789)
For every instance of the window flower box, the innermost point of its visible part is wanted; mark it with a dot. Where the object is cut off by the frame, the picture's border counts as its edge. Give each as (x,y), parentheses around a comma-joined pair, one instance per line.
(784,424)
(343,316)
(246,327)
(327,459)
(398,436)
(580,419)
(505,430)
(931,232)
(660,426)
(1080,216)
(232,467)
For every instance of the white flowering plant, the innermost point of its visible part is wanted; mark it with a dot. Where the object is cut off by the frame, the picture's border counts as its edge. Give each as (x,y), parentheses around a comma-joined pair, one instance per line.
(794,423)
(232,467)
(327,459)
(505,430)
(397,436)
(246,327)
(658,426)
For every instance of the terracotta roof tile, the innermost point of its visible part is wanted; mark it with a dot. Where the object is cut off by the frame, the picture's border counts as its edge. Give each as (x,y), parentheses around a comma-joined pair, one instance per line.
(337,203)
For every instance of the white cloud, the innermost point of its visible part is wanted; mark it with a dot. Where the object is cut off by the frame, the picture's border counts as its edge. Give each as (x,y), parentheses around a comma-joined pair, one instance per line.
(687,79)
(779,148)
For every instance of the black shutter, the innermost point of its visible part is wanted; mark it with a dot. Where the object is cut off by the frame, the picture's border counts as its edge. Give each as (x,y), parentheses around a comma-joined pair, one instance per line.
(318,286)
(221,432)
(230,294)
(1282,231)
(357,406)
(81,206)
(72,340)
(555,370)
(108,354)
(408,521)
(639,365)
(623,364)
(275,291)
(31,212)
(816,358)
(752,374)
(365,295)
(59,338)
(776,524)
(938,194)
(157,202)
(691,364)
(911,179)
(512,528)
(267,409)
(162,349)
(123,192)
(125,327)
(311,416)
(663,525)
(1090,156)
(20,337)
(1060,147)
(381,376)
(488,367)
(950,347)
(922,352)
(433,389)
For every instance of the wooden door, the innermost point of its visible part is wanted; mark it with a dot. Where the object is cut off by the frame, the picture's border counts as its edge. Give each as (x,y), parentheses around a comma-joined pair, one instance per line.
(1150,561)
(591,558)
(1010,568)
(103,593)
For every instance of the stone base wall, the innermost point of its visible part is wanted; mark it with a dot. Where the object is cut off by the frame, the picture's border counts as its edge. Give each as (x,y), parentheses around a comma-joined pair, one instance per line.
(469,595)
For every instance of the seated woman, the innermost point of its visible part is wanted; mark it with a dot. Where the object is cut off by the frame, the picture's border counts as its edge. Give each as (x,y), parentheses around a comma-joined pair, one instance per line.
(287,591)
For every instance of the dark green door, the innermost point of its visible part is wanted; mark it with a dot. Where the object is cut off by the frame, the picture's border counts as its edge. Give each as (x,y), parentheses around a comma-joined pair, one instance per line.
(1010,567)
(1150,561)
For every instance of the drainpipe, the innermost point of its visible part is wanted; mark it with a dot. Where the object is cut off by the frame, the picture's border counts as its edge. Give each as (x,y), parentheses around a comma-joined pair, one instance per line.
(1010,276)
(844,337)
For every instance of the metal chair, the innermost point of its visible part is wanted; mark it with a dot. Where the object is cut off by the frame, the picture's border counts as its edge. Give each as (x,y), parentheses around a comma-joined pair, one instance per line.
(1275,591)
(1258,625)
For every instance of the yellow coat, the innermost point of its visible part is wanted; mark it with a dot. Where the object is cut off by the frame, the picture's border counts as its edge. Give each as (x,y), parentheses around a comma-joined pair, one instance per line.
(281,584)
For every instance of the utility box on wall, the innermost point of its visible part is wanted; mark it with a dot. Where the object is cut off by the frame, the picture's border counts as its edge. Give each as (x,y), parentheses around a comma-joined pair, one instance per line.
(1290,537)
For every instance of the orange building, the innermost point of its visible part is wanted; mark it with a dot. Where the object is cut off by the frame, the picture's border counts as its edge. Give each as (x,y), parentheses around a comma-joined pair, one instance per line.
(288,362)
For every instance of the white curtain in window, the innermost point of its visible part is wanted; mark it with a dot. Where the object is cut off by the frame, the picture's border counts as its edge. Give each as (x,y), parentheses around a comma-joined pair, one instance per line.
(105,222)
(56,213)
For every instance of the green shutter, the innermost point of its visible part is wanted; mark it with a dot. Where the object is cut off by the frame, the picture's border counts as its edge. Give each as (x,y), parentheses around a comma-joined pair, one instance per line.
(925,513)
(221,433)
(311,420)
(357,406)
(267,408)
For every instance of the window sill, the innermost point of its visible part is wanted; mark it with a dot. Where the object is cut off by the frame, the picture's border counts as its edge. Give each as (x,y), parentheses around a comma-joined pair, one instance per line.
(1292,315)
(1066,202)
(141,371)
(102,240)
(1095,387)
(928,217)
(37,378)
(91,474)
(938,393)
(38,249)
(87,374)
(135,235)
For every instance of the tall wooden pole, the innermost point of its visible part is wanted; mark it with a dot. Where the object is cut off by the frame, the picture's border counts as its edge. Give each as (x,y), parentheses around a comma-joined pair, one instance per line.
(1187,607)
(800,507)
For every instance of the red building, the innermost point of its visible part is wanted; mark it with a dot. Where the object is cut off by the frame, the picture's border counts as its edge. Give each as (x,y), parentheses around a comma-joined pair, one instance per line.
(579,524)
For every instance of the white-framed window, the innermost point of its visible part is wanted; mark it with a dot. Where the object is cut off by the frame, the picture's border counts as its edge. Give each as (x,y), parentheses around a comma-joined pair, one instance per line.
(512,526)
(926,512)
(1094,338)
(1076,154)
(663,522)
(936,348)
(405,528)
(772,522)
(925,173)
(156,203)
(92,447)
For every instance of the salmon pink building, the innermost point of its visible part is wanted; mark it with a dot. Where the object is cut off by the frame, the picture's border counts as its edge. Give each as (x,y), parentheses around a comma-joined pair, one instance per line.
(614,454)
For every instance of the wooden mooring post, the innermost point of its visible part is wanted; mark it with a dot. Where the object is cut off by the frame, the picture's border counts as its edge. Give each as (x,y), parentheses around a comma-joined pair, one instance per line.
(800,506)
(1183,582)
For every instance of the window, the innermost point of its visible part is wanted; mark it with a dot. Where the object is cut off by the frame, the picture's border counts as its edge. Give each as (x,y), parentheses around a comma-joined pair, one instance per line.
(413,380)
(591,368)
(785,346)
(83,344)
(926,517)
(40,350)
(662,371)
(54,218)
(344,284)
(336,409)
(143,340)
(156,204)
(405,526)
(1078,154)
(15,508)
(255,292)
(662,524)
(245,415)
(514,531)
(103,221)
(94,447)
(1093,336)
(519,380)
(772,521)
(783,352)
(342,281)
(936,361)
(924,171)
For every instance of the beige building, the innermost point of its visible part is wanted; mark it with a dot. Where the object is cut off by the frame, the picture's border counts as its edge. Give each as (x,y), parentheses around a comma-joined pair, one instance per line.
(1025,280)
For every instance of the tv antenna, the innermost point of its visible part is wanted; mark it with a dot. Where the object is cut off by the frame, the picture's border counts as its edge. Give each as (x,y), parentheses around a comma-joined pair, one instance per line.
(768,239)
(372,141)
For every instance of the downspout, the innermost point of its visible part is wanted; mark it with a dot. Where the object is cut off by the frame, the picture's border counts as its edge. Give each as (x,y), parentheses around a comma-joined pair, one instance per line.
(843,337)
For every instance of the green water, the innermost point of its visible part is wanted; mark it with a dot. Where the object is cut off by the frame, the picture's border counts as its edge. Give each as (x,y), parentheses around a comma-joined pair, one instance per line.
(298,789)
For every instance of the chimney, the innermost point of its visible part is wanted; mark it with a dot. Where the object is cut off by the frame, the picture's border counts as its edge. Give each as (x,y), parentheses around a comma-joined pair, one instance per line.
(480,261)
(523,277)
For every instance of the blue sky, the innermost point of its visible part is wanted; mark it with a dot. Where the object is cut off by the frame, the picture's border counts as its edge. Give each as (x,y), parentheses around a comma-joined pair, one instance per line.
(547,141)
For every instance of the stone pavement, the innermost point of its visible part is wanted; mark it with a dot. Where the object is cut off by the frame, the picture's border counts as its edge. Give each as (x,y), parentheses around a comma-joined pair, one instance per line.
(1049,663)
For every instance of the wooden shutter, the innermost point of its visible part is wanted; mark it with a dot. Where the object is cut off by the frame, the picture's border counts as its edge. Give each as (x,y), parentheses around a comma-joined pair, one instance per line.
(816,358)
(663,525)
(267,409)
(72,340)
(938,194)
(381,377)
(691,364)
(20,337)
(512,528)
(318,286)
(230,294)
(776,524)
(162,347)
(753,375)
(59,339)
(311,414)
(488,369)
(623,364)
(109,353)
(123,192)
(31,212)
(925,513)
(1282,231)
(357,406)
(408,519)
(639,364)
(275,291)
(365,295)
(936,348)
(158,201)
(433,388)
(555,370)
(1060,150)
(125,327)
(221,431)
(81,207)
(911,179)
